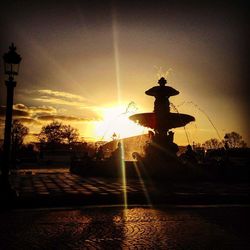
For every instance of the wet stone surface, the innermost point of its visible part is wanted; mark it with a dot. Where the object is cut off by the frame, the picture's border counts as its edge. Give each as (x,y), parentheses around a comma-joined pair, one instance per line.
(134,228)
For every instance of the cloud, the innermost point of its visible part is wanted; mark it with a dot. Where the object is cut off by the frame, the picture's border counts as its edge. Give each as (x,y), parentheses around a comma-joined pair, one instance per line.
(61,94)
(16,112)
(35,110)
(20,106)
(33,114)
(27,115)
(59,101)
(61,117)
(63,101)
(29,121)
(36,116)
(55,97)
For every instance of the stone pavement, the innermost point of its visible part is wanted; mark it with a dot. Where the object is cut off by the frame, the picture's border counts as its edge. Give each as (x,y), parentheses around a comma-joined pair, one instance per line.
(52,188)
(43,188)
(110,228)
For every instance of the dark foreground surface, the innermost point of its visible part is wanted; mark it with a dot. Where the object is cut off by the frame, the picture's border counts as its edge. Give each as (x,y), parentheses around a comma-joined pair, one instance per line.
(59,210)
(42,188)
(172,227)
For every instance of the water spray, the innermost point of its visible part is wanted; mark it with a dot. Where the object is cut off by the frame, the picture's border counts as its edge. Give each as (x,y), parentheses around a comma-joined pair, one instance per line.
(160,73)
(131,108)
(205,114)
(177,111)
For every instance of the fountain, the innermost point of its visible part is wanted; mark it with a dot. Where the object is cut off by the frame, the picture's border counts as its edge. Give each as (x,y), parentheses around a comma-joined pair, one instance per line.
(160,158)
(162,149)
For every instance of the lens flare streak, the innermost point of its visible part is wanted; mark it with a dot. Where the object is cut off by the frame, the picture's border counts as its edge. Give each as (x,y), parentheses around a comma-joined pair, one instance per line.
(124,180)
(142,184)
(118,83)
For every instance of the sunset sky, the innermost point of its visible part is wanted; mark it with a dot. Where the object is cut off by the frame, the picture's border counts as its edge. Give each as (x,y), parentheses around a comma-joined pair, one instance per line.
(88,64)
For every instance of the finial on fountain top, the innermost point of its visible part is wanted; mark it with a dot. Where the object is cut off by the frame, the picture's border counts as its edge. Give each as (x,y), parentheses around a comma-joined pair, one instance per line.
(162,81)
(162,90)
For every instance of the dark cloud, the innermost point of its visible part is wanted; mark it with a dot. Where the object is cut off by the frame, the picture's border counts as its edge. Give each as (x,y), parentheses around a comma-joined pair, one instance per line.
(20,106)
(20,113)
(16,112)
(61,117)
(34,115)
(29,121)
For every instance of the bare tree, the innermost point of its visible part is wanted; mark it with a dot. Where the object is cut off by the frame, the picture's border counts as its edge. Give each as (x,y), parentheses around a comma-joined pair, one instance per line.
(234,140)
(56,133)
(18,133)
(51,134)
(70,134)
(212,144)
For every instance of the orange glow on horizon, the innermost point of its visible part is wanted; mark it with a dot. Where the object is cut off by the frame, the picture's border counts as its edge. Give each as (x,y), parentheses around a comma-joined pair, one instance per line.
(116,120)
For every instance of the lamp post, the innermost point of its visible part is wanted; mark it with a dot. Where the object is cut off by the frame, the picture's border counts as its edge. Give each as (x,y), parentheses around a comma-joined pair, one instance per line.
(11,68)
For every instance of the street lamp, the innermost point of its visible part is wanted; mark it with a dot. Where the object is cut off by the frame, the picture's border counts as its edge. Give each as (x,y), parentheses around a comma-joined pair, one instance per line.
(11,62)
(11,68)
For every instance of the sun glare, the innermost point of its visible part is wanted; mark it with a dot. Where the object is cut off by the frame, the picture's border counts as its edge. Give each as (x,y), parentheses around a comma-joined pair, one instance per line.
(116,120)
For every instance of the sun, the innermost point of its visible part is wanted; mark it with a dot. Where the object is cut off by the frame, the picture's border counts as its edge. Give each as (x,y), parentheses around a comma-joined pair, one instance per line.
(116,120)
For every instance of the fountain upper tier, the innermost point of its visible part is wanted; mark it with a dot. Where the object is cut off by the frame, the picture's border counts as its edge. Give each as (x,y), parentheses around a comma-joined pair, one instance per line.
(162,118)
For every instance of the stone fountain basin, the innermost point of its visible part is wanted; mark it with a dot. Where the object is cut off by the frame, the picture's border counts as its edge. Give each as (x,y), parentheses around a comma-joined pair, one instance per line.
(168,121)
